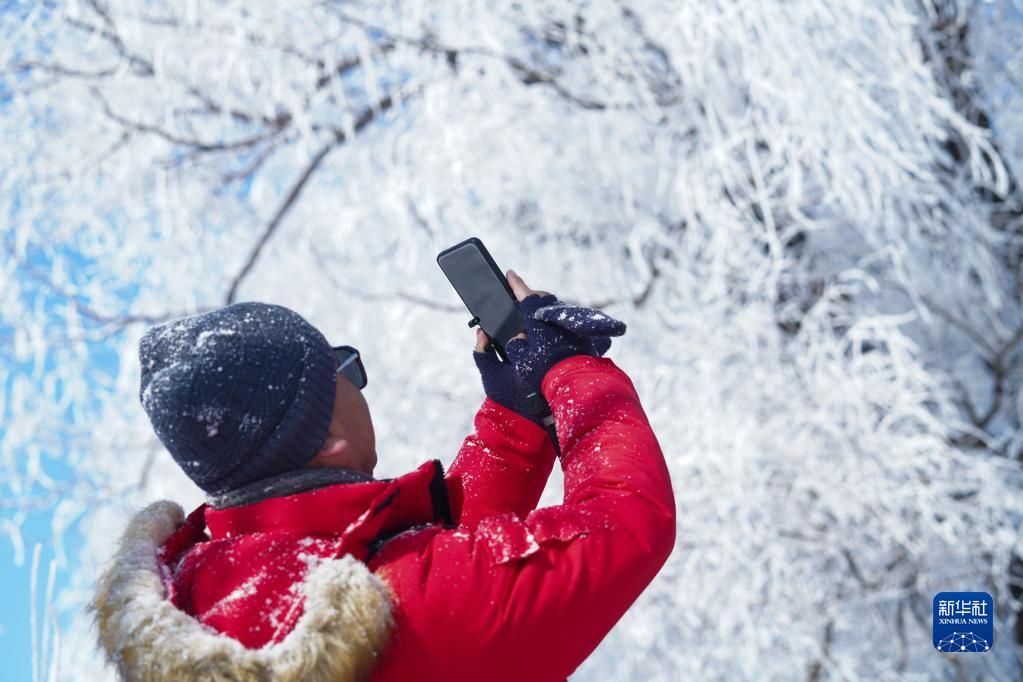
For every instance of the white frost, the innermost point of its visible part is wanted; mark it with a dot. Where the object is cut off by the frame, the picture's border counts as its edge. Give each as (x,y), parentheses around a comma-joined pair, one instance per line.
(205,336)
(817,287)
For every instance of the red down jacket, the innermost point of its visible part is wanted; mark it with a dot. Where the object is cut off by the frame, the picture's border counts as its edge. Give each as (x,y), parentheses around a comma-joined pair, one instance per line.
(465,580)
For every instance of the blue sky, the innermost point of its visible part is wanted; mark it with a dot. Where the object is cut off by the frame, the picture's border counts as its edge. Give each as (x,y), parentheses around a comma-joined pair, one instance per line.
(15,633)
(16,571)
(15,579)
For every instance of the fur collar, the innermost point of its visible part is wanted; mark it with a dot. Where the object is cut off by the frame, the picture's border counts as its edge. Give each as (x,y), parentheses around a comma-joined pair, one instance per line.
(345,624)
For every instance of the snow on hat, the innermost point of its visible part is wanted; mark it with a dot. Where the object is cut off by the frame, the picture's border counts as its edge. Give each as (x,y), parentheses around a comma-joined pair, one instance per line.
(238,394)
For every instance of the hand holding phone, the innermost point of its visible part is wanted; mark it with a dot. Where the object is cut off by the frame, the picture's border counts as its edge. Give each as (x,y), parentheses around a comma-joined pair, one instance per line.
(498,305)
(485,291)
(493,301)
(520,289)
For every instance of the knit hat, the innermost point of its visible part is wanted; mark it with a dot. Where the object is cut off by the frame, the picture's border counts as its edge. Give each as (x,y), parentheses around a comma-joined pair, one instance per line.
(238,394)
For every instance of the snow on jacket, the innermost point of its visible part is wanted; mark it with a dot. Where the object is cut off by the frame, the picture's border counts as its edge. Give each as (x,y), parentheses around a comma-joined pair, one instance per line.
(374,581)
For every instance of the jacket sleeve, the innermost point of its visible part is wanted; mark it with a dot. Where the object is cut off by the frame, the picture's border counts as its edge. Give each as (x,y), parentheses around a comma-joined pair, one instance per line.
(531,599)
(502,467)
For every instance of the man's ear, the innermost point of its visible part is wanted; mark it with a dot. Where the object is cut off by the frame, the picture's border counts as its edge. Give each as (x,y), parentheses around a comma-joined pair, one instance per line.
(334,453)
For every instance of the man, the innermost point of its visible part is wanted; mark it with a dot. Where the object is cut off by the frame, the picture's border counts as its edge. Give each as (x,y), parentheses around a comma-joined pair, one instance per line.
(302,566)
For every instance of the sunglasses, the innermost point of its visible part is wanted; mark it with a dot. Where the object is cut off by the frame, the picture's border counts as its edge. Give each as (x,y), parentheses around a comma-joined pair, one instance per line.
(349,365)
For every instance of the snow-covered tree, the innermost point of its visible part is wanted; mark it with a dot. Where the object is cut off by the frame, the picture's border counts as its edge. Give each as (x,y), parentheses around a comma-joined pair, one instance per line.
(809,213)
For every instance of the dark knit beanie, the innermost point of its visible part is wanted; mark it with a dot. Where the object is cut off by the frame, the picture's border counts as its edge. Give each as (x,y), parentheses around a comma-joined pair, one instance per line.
(238,394)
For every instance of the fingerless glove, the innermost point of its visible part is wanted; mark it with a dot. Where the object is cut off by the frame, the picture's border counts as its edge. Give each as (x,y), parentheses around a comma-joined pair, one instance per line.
(555,331)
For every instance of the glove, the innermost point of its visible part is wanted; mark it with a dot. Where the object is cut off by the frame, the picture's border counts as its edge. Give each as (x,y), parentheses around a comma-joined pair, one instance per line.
(502,385)
(585,322)
(555,331)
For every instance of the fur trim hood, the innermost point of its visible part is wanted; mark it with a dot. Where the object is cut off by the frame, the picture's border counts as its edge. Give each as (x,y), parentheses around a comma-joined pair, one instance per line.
(345,624)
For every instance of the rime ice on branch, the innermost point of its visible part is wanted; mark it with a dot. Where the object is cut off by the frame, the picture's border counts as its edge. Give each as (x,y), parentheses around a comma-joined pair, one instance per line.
(800,209)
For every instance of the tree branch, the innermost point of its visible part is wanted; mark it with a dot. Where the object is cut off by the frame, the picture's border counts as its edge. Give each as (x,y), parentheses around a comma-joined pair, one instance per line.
(959,324)
(196,145)
(817,667)
(140,64)
(416,299)
(293,195)
(109,323)
(278,217)
(526,74)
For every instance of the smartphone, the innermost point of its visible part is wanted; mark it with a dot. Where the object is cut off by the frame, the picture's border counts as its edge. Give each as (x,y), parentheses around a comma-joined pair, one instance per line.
(484,290)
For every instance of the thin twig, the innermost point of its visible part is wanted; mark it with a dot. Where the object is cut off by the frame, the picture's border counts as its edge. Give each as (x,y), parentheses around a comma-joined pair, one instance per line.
(196,145)
(959,324)
(408,297)
(338,139)
(278,217)
(526,74)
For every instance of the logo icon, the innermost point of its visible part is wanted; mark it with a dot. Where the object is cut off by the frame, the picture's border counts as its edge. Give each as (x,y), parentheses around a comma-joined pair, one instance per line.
(964,622)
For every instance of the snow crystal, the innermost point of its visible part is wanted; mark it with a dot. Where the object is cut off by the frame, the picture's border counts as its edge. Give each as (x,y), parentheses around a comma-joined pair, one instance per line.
(243,591)
(507,538)
(212,418)
(310,560)
(205,336)
(249,423)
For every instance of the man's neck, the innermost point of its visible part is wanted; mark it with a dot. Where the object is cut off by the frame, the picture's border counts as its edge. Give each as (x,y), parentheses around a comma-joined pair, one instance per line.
(289,483)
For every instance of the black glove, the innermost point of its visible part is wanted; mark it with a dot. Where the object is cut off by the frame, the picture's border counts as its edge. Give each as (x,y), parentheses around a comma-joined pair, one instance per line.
(502,385)
(555,331)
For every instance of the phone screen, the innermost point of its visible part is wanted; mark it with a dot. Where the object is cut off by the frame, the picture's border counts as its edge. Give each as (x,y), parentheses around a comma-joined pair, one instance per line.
(484,291)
